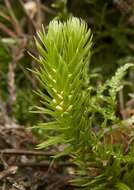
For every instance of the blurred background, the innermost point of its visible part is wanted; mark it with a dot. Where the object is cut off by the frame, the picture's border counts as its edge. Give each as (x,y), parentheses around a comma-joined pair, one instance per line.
(112,25)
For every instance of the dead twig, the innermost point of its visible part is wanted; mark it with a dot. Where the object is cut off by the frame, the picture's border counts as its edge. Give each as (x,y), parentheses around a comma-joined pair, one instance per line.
(17,55)
(14,20)
(47,9)
(3,111)
(39,16)
(45,163)
(26,152)
(7,31)
(11,87)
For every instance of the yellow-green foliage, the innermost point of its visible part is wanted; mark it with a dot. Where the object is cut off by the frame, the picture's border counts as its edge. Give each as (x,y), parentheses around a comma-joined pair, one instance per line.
(82,117)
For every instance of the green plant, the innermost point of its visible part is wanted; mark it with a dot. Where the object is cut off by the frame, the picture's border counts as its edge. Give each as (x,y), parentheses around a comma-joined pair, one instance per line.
(82,116)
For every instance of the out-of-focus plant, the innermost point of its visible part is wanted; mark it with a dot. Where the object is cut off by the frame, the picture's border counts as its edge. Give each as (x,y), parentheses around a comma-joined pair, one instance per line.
(18,23)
